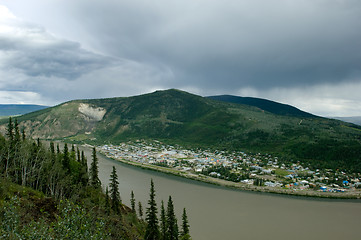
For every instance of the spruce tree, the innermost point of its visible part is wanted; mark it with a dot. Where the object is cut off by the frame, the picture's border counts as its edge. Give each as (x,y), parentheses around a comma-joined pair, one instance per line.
(10,131)
(83,173)
(140,210)
(17,142)
(94,171)
(172,226)
(185,226)
(107,202)
(84,161)
(72,153)
(152,231)
(17,137)
(114,191)
(78,154)
(132,201)
(66,159)
(52,151)
(23,134)
(11,148)
(59,155)
(163,222)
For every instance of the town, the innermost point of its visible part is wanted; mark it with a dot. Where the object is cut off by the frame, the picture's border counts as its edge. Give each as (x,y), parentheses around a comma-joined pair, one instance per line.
(257,171)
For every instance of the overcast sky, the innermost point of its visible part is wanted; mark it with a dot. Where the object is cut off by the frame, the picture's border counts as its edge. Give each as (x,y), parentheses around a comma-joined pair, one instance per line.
(304,53)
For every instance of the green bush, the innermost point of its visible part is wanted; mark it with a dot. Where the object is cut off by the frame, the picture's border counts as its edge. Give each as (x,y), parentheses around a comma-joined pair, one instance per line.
(73,222)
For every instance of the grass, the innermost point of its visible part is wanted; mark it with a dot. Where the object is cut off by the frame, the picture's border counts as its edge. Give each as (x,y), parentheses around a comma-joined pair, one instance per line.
(352,128)
(281,172)
(79,137)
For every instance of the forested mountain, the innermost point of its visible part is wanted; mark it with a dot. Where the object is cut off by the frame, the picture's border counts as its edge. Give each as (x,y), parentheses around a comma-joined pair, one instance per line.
(354,120)
(266,105)
(179,117)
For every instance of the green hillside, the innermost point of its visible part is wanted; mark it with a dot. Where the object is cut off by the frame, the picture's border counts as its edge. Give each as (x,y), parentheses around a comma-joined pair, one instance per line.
(266,105)
(179,117)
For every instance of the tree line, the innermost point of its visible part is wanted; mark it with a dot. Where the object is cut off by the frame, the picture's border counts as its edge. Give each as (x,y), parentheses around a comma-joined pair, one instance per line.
(64,174)
(59,174)
(166,227)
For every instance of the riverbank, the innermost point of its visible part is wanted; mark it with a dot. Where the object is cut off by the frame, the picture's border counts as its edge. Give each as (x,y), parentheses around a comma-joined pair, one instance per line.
(242,186)
(238,213)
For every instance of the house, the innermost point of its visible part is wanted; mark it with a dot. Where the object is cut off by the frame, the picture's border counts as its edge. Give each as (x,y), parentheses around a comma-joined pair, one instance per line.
(215,174)
(267,171)
(304,182)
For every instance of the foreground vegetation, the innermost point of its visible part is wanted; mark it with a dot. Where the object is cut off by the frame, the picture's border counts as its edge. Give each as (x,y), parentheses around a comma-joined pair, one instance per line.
(51,194)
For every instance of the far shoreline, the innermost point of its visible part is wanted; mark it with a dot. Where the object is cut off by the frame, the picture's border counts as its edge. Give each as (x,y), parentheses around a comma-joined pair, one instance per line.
(317,195)
(239,186)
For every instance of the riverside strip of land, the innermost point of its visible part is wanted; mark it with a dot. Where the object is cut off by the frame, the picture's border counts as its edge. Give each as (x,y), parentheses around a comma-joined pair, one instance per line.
(262,173)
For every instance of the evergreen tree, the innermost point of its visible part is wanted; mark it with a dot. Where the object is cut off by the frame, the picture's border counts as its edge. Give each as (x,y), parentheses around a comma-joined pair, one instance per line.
(52,151)
(172,226)
(107,202)
(140,210)
(66,159)
(114,191)
(152,231)
(72,153)
(59,156)
(185,226)
(78,154)
(10,131)
(94,171)
(11,147)
(23,134)
(83,172)
(163,222)
(258,182)
(132,201)
(52,148)
(17,146)
(17,137)
(84,161)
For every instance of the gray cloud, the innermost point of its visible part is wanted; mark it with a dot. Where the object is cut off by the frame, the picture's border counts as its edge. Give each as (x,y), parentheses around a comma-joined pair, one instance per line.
(278,49)
(35,64)
(34,52)
(234,43)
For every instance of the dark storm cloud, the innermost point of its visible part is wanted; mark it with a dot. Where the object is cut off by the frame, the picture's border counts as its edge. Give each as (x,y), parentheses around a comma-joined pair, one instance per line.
(35,53)
(306,53)
(232,44)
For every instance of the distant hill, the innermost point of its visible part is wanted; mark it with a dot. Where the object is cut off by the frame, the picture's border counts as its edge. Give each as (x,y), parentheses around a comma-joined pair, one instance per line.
(18,109)
(354,120)
(178,117)
(266,105)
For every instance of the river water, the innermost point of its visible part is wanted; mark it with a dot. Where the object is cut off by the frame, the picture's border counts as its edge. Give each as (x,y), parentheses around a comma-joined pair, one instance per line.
(220,213)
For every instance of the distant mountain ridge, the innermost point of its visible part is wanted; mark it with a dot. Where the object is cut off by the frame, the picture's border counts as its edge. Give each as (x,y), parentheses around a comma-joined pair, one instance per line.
(18,109)
(178,117)
(354,120)
(266,105)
